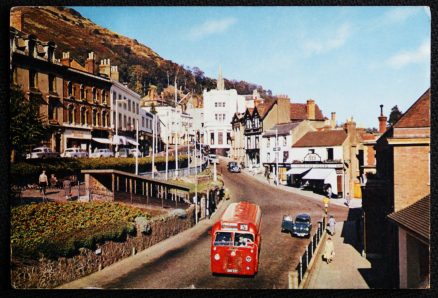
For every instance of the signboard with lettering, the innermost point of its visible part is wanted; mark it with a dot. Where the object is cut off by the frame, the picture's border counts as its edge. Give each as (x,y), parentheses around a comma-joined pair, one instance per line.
(312,158)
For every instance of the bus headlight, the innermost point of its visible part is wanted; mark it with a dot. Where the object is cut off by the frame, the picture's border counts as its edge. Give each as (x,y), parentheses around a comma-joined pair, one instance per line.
(217,257)
(233,253)
(248,259)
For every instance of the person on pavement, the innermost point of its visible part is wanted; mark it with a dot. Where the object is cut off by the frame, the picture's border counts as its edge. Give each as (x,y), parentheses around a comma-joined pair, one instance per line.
(332,225)
(66,184)
(43,182)
(329,251)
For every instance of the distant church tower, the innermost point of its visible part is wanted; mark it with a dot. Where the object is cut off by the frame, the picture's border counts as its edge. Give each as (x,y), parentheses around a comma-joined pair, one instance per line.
(220,81)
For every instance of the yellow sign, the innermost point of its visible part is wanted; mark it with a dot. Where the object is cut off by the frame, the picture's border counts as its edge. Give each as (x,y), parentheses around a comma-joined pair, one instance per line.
(326,200)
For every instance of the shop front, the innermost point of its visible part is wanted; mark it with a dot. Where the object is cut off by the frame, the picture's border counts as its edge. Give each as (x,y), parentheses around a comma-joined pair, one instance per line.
(77,138)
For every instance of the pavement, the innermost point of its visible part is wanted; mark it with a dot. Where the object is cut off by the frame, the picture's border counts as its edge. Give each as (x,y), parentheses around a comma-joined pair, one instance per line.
(348,268)
(354,202)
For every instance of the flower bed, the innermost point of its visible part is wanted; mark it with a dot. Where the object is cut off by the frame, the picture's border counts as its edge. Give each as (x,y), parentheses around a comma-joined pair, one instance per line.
(56,229)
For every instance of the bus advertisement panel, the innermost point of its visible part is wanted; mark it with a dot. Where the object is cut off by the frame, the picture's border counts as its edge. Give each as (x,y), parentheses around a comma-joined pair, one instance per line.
(235,240)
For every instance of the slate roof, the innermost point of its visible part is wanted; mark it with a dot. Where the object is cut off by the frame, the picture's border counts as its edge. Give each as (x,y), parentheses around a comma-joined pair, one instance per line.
(415,217)
(418,115)
(263,108)
(283,129)
(298,111)
(322,139)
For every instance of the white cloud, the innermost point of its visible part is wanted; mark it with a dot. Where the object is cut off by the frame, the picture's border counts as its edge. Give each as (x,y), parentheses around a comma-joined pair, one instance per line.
(211,27)
(324,45)
(401,14)
(421,54)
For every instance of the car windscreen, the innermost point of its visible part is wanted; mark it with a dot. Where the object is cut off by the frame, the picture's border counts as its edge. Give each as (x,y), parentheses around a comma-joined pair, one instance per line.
(223,239)
(243,239)
(302,219)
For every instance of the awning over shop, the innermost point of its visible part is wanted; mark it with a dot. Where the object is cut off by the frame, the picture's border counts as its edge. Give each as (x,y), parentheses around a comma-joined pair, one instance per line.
(297,171)
(101,140)
(328,175)
(131,141)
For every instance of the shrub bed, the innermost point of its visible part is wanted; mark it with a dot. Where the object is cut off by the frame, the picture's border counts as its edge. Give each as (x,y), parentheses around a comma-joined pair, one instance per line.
(56,229)
(27,172)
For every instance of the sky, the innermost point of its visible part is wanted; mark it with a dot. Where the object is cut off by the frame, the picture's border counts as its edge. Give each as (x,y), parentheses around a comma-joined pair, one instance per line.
(348,59)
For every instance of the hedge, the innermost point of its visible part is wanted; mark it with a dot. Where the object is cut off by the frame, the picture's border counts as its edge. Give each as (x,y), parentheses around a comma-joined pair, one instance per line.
(27,172)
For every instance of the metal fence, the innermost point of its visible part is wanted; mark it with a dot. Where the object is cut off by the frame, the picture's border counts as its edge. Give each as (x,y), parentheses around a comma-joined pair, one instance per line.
(306,258)
(173,173)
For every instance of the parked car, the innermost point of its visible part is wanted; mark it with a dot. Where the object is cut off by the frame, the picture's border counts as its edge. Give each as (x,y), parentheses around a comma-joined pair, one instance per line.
(122,152)
(74,153)
(233,167)
(212,158)
(134,152)
(42,152)
(102,153)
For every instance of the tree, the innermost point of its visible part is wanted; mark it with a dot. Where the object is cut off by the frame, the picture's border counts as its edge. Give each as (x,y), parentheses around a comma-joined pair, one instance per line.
(394,116)
(27,128)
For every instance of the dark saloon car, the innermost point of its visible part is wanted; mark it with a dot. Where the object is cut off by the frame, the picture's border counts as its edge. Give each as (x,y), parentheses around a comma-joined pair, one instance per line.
(233,167)
(302,225)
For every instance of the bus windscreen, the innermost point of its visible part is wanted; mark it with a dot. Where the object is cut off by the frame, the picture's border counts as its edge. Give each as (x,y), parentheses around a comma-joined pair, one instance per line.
(223,239)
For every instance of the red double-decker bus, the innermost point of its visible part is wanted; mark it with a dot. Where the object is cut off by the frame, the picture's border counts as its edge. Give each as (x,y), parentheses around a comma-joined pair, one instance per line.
(235,240)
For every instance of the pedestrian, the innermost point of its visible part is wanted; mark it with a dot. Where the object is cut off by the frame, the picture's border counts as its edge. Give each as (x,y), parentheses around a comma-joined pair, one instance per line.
(326,201)
(43,182)
(332,225)
(329,250)
(53,181)
(347,199)
(66,184)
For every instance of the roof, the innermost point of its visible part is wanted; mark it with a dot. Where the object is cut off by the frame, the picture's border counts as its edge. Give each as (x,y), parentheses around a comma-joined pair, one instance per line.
(418,115)
(264,107)
(74,64)
(298,111)
(322,139)
(282,129)
(415,217)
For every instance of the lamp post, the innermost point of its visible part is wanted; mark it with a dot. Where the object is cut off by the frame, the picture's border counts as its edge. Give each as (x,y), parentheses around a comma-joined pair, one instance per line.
(136,150)
(117,121)
(167,146)
(153,144)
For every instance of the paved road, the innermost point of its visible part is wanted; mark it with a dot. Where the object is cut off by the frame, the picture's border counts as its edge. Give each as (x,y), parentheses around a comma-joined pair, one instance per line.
(188,266)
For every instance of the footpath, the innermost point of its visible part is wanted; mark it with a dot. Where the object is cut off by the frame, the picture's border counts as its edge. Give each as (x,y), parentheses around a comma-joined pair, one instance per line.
(348,268)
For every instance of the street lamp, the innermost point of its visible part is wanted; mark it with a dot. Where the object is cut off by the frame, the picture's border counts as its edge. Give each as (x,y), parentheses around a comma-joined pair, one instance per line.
(136,150)
(117,121)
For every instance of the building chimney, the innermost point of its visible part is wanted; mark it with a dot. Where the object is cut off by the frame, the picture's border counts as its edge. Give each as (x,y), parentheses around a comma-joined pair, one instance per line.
(115,74)
(333,120)
(283,102)
(89,63)
(66,61)
(105,67)
(16,20)
(351,130)
(382,121)
(310,108)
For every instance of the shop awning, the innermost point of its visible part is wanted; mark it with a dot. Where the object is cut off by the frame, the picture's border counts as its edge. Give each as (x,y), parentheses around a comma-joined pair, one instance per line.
(319,174)
(101,140)
(131,141)
(297,171)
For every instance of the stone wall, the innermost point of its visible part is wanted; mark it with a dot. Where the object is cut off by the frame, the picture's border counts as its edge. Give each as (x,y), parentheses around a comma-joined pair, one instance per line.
(46,273)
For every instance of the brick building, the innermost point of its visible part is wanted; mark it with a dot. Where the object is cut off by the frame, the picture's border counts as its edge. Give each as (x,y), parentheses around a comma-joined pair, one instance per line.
(402,178)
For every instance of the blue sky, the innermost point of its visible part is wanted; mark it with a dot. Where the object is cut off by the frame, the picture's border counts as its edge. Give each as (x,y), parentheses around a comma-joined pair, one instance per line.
(348,59)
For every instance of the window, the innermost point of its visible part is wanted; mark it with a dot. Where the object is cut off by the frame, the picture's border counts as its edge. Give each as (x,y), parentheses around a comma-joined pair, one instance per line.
(71,113)
(330,153)
(120,121)
(312,151)
(248,143)
(82,92)
(52,83)
(129,105)
(114,118)
(94,92)
(228,137)
(69,89)
(114,98)
(52,110)
(212,138)
(268,157)
(220,138)
(83,115)
(142,121)
(268,143)
(33,79)
(124,121)
(284,141)
(256,142)
(103,96)
(104,119)
(94,117)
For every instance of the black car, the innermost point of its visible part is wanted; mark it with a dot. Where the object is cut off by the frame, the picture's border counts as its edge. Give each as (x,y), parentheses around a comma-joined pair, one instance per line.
(233,167)
(302,225)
